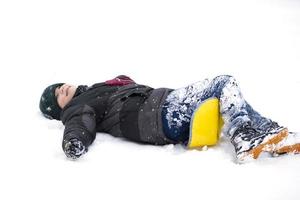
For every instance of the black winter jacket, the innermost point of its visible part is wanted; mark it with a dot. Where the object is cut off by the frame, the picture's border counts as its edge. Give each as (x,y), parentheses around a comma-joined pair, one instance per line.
(131,111)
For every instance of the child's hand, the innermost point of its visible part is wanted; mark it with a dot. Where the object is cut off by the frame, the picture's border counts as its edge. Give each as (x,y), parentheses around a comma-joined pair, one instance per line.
(74,149)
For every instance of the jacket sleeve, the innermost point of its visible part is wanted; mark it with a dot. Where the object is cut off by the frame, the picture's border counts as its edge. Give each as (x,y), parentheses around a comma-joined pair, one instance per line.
(80,126)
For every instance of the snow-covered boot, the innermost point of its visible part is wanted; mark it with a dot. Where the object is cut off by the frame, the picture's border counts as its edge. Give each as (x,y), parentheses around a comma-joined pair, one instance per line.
(249,142)
(290,145)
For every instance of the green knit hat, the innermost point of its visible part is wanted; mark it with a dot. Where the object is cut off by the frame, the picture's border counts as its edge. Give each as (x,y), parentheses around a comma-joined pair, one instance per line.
(48,103)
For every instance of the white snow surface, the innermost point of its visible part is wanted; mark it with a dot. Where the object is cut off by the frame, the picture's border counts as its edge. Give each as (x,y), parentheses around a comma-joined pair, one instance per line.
(160,43)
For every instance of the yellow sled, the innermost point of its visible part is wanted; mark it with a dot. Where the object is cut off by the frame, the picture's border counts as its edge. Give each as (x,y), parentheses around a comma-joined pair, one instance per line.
(206,124)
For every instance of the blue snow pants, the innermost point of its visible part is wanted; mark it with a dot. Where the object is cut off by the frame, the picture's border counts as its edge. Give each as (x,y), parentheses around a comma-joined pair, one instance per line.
(180,104)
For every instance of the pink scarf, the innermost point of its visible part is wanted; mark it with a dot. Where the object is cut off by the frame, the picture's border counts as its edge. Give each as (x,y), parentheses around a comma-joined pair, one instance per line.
(120,81)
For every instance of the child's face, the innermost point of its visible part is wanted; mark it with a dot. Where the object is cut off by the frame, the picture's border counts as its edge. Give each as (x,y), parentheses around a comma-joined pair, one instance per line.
(64,94)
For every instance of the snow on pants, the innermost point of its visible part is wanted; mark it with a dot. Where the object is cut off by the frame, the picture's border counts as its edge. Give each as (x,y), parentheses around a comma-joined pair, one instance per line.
(181,103)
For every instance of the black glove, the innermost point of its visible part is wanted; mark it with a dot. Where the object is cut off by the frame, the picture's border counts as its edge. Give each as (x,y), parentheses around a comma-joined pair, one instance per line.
(74,148)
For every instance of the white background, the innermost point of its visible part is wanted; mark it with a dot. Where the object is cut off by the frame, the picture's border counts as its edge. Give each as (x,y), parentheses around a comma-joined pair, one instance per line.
(159,43)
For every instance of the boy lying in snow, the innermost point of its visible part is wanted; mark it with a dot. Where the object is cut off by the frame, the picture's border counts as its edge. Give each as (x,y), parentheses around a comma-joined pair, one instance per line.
(162,116)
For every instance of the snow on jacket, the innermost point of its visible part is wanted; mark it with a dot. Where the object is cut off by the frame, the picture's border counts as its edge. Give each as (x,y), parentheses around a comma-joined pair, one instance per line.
(119,107)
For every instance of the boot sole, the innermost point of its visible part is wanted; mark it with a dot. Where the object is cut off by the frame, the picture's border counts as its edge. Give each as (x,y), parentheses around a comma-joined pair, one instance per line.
(293,149)
(289,146)
(269,145)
